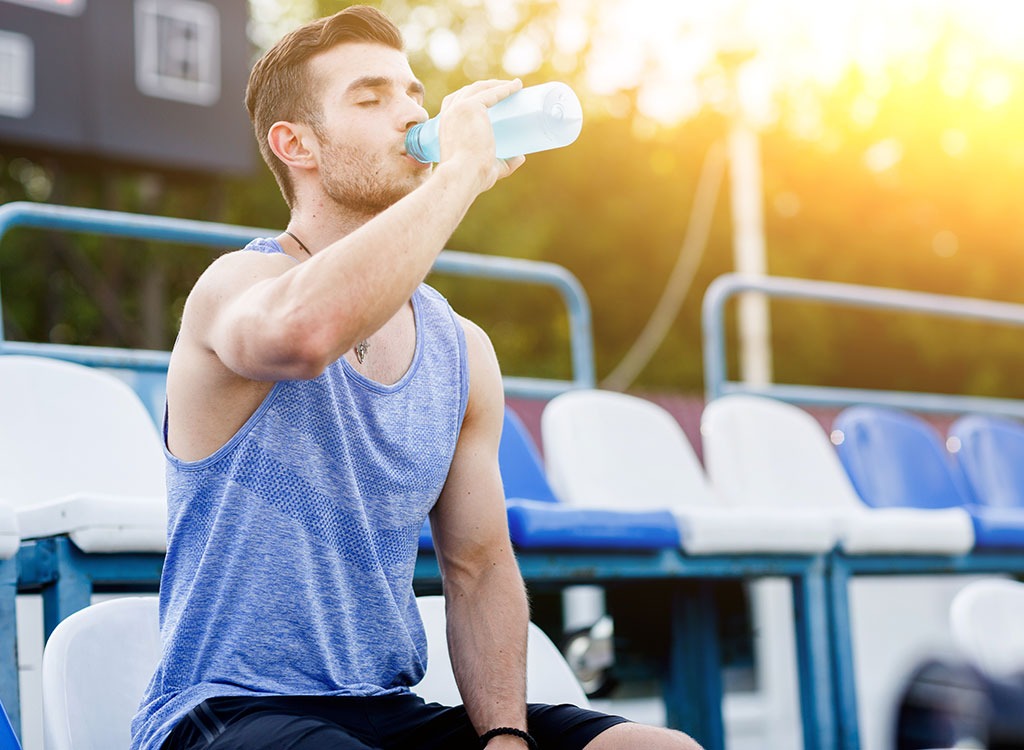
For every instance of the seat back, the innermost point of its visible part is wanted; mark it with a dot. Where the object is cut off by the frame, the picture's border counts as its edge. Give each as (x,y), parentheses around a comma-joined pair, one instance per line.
(67,428)
(96,665)
(549,679)
(612,450)
(991,456)
(762,452)
(986,618)
(98,662)
(522,471)
(897,459)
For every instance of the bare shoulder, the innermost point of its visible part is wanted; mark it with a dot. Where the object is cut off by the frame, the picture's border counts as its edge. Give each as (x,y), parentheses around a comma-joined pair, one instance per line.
(223,282)
(483,361)
(226,278)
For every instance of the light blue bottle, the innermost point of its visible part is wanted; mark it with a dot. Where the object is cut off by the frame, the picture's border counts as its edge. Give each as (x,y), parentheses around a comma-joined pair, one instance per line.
(533,119)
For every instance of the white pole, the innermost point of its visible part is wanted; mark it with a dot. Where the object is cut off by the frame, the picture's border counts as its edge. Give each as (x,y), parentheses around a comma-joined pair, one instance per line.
(749,253)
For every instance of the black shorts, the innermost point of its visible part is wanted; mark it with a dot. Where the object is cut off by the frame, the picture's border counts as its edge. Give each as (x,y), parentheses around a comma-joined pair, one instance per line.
(386,722)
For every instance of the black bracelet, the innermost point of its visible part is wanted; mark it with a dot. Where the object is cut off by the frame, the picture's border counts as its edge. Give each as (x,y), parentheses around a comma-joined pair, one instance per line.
(490,735)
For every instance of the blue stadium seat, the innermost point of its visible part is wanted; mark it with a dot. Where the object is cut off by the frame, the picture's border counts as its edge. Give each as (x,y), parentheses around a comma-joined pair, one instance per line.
(991,455)
(522,470)
(537,519)
(8,739)
(535,524)
(897,459)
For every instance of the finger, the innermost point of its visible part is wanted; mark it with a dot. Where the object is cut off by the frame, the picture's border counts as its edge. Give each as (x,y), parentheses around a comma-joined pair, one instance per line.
(494,94)
(512,164)
(486,89)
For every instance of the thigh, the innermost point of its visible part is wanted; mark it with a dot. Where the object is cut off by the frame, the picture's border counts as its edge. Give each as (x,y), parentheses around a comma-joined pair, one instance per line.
(567,727)
(430,726)
(413,723)
(268,731)
(261,724)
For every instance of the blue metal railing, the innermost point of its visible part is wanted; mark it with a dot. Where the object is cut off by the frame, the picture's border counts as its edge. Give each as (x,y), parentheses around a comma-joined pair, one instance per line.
(716,382)
(144,369)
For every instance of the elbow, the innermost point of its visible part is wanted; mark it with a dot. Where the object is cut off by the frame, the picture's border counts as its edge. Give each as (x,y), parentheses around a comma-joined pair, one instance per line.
(302,346)
(304,353)
(304,362)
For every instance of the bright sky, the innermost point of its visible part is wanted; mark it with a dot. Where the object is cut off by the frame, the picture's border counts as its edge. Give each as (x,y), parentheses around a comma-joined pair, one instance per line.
(672,49)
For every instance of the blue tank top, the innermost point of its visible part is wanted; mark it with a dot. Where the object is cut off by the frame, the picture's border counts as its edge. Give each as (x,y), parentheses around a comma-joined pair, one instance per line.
(291,549)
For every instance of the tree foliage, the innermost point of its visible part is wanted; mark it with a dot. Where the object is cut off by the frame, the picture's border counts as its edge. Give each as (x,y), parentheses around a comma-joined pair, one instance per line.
(914,185)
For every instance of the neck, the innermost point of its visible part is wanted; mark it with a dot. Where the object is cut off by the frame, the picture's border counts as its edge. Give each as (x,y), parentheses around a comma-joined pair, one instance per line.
(319,227)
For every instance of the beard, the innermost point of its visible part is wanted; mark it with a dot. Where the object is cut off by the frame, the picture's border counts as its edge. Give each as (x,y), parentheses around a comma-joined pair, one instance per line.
(362,184)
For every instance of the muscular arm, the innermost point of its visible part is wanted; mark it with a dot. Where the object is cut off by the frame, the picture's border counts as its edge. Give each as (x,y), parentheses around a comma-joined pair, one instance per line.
(267,321)
(484,593)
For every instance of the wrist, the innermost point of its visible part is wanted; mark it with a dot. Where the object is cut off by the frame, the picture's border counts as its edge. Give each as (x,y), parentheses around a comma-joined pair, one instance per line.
(507,742)
(468,174)
(507,737)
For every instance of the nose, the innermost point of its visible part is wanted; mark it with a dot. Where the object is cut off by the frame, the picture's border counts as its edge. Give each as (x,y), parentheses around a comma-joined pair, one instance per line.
(416,115)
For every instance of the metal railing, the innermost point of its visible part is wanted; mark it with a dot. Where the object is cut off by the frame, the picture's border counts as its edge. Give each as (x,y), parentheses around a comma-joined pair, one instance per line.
(145,369)
(723,288)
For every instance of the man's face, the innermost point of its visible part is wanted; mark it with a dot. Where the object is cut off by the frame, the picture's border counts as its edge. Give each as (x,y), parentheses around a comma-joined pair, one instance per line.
(369,98)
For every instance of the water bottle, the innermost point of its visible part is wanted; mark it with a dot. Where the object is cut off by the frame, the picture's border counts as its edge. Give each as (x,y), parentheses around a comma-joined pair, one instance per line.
(533,119)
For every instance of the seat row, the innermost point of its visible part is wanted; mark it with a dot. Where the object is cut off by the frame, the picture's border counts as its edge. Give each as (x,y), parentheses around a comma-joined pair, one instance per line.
(620,472)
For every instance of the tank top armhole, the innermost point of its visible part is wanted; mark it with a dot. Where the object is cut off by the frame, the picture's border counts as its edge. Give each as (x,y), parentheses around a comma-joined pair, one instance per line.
(247,427)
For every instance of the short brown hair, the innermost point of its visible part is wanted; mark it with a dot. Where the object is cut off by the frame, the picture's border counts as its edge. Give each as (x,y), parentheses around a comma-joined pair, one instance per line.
(282,88)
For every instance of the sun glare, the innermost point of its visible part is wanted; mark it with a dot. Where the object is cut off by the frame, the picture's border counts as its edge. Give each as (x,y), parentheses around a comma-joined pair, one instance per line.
(681,56)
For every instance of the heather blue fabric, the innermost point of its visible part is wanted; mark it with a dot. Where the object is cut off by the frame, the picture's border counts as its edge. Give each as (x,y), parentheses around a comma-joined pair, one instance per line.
(291,549)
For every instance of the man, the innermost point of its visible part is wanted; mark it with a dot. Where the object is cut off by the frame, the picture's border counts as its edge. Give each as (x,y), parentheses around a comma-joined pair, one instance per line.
(320,402)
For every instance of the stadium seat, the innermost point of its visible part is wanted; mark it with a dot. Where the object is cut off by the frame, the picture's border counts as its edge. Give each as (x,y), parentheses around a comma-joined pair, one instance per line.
(990,451)
(538,520)
(99,660)
(522,469)
(96,665)
(897,459)
(986,618)
(548,677)
(80,456)
(764,453)
(522,473)
(614,452)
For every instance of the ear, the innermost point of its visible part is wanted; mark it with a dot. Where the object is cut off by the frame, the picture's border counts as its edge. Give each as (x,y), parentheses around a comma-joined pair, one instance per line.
(293,144)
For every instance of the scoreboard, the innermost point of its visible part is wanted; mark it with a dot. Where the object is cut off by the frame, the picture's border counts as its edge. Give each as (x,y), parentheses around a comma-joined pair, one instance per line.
(153,82)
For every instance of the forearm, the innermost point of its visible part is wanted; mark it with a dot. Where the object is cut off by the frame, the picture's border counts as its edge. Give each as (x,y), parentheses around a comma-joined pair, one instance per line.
(353,286)
(488,617)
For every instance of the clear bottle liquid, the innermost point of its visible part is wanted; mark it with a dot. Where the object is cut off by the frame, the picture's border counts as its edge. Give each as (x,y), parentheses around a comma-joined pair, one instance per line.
(537,118)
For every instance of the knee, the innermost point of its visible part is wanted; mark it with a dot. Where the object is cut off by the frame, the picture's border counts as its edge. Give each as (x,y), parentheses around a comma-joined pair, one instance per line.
(686,742)
(630,736)
(682,741)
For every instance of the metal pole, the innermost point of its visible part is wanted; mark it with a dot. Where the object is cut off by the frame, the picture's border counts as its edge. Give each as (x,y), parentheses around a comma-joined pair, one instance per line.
(749,252)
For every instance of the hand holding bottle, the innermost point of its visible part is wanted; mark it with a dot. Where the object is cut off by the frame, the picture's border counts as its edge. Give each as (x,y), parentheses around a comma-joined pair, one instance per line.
(533,119)
(467,137)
